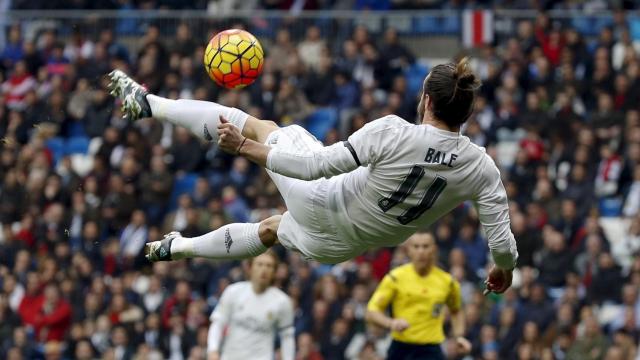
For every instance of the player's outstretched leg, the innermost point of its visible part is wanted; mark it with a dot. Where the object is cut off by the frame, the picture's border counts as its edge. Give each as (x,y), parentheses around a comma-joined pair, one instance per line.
(233,241)
(199,117)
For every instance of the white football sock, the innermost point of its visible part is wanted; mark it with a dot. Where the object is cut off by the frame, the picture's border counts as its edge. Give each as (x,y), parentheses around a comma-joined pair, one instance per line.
(199,117)
(233,241)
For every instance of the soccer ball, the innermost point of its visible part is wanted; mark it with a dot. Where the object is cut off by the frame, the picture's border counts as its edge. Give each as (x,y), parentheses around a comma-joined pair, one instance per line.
(233,58)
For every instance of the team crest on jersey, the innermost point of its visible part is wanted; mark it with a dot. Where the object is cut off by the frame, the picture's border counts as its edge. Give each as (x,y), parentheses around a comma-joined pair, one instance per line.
(227,240)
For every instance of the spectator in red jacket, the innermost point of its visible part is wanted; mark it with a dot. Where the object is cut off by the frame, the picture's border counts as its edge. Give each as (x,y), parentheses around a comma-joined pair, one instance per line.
(48,313)
(552,46)
(177,304)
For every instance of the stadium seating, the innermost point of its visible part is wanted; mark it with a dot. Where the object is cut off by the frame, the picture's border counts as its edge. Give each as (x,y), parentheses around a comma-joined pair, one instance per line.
(182,185)
(321,121)
(57,147)
(77,145)
(415,75)
(76,129)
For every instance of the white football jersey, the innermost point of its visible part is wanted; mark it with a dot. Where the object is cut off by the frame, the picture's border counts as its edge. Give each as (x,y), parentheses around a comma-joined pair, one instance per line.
(252,320)
(392,178)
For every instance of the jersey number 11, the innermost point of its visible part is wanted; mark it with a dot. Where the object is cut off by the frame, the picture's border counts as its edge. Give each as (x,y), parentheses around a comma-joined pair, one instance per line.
(406,187)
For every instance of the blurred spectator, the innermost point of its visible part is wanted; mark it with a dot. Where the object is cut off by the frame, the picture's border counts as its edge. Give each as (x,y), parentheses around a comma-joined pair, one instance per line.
(134,236)
(17,85)
(319,84)
(607,281)
(97,115)
(555,259)
(473,246)
(120,342)
(177,304)
(12,51)
(291,104)
(632,199)
(79,48)
(606,183)
(47,313)
(395,56)
(306,349)
(591,344)
(311,48)
(186,152)
(156,188)
(184,43)
(177,220)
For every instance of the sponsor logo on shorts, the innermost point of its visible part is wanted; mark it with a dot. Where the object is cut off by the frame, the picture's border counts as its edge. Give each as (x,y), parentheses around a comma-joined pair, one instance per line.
(227,240)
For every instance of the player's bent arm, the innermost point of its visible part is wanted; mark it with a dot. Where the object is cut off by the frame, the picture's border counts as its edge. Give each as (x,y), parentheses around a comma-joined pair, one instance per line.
(493,213)
(219,319)
(287,343)
(325,162)
(255,151)
(367,146)
(214,339)
(286,331)
(502,243)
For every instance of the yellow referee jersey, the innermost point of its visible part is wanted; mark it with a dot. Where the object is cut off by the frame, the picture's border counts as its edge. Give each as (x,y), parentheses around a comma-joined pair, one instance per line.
(419,300)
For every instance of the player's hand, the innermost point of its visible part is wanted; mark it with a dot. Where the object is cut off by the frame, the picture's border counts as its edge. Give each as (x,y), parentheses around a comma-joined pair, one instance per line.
(229,137)
(398,325)
(463,345)
(214,355)
(498,280)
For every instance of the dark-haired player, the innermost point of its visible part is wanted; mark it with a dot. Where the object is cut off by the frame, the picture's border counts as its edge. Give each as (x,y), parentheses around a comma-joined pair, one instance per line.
(388,180)
(250,313)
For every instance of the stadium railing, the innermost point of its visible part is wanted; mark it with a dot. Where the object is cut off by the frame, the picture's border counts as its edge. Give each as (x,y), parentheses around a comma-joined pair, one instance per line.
(415,26)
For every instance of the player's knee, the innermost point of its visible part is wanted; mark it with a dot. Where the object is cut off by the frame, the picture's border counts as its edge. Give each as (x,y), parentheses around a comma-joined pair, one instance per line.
(271,124)
(265,128)
(268,230)
(259,130)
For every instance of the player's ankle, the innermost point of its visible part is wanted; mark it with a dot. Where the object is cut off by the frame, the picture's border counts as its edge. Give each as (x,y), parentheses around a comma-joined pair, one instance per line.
(181,248)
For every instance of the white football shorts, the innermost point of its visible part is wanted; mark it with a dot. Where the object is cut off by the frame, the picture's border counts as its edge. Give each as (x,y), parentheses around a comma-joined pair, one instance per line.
(305,227)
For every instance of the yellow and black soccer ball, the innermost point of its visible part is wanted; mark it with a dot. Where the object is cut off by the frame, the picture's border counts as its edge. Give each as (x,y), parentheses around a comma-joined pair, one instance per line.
(234,58)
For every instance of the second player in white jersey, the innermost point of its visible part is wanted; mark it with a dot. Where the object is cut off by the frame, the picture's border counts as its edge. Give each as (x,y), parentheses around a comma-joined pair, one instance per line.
(249,315)
(375,189)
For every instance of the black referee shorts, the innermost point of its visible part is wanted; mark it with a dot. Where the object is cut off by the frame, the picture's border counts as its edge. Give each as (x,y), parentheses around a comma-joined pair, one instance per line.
(403,351)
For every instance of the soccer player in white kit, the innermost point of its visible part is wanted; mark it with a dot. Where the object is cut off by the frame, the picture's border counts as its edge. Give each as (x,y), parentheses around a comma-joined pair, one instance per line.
(388,180)
(252,313)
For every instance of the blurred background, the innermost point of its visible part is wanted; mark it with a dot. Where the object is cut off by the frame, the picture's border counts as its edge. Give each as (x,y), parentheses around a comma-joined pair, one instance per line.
(82,190)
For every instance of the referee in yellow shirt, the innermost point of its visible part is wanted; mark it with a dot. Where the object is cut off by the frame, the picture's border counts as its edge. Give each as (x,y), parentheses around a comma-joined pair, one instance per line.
(418,293)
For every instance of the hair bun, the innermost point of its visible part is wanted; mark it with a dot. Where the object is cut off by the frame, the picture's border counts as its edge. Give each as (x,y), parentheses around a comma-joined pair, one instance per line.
(465,78)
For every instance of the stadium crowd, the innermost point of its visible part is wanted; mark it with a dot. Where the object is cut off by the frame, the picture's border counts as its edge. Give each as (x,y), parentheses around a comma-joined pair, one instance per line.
(297,5)
(559,113)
